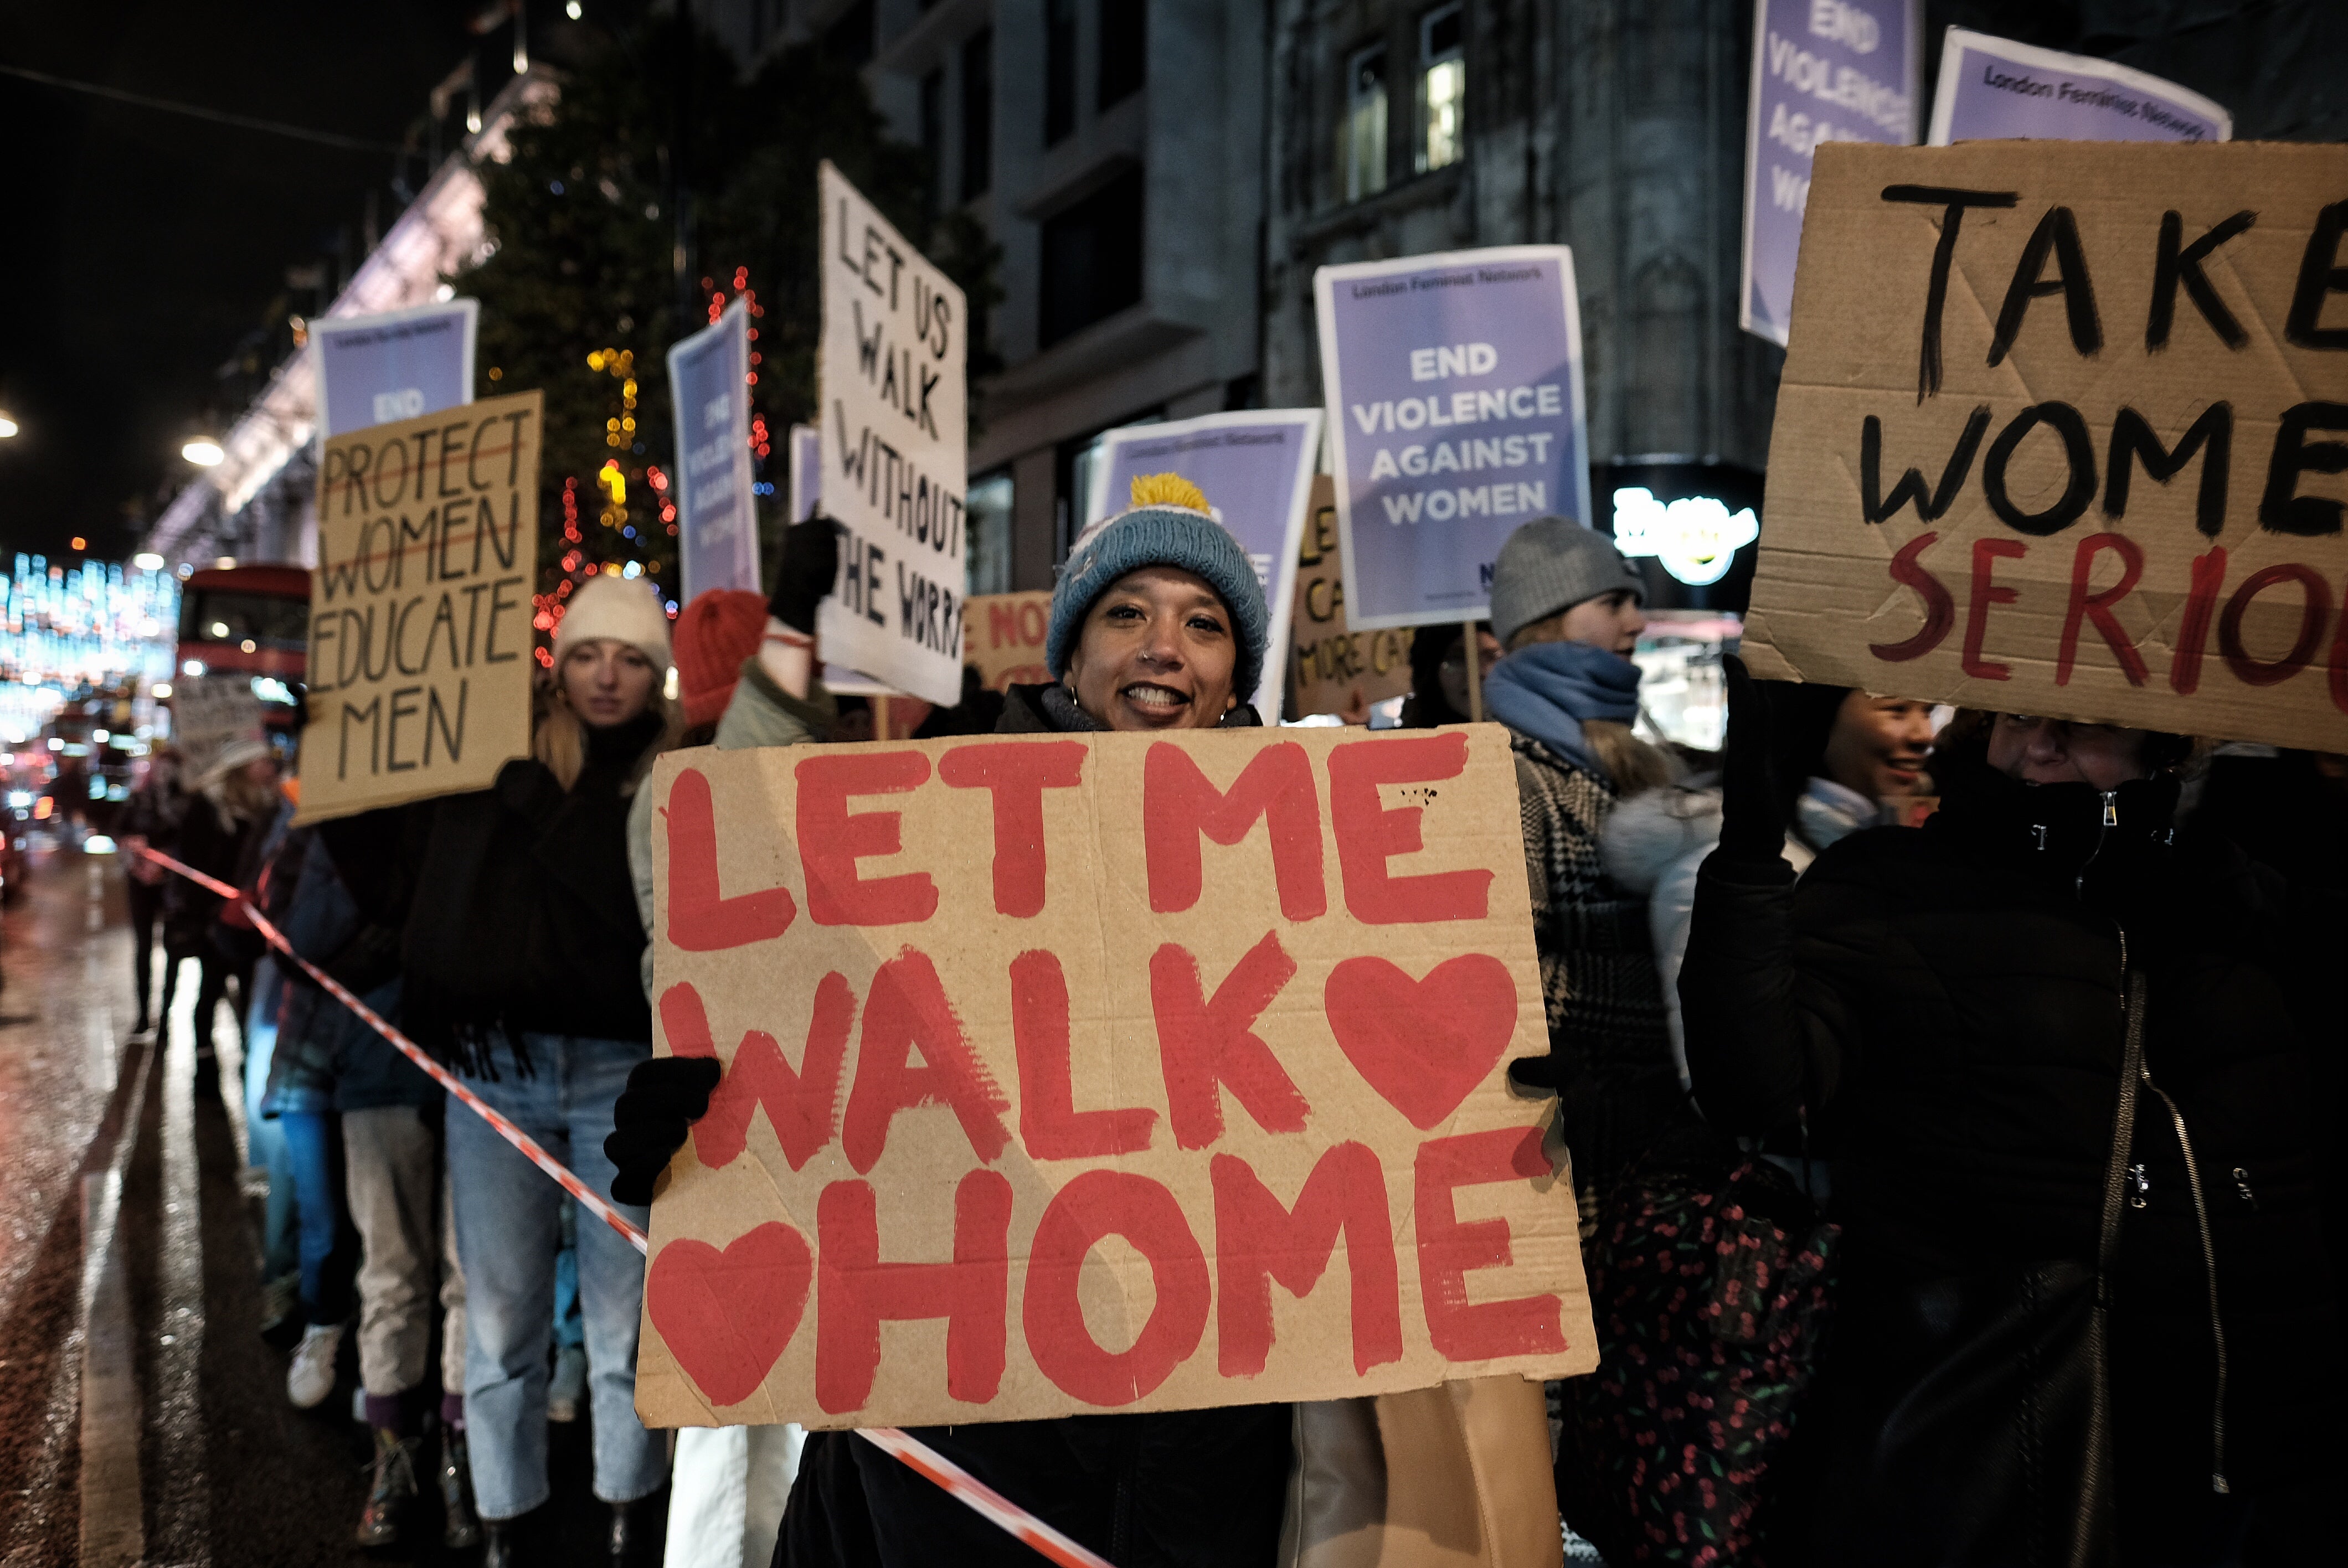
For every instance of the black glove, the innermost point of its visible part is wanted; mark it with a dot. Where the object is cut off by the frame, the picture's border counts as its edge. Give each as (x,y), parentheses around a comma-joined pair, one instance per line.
(1752,812)
(809,565)
(650,1122)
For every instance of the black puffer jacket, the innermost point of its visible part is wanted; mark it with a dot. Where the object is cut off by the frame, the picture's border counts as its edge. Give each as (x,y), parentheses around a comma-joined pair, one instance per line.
(522,914)
(1948,1006)
(1178,1488)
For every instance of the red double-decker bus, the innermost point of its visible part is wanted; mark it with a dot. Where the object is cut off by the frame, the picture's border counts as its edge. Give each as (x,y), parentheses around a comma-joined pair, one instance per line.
(246,620)
(251,620)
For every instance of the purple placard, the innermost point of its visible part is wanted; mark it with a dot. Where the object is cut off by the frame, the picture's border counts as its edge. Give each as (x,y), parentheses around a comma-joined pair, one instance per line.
(397,364)
(807,472)
(1823,70)
(1993,88)
(716,516)
(1455,417)
(1255,469)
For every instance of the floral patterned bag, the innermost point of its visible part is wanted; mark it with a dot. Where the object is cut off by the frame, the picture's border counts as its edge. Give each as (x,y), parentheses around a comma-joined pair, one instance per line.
(1710,1276)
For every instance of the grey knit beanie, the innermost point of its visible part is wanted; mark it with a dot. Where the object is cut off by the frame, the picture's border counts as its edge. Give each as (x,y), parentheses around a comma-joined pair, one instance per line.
(1552,564)
(1161,536)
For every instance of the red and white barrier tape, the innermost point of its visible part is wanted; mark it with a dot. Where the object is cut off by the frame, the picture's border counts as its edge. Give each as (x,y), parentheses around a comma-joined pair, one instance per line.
(984,1499)
(416,1054)
(958,1482)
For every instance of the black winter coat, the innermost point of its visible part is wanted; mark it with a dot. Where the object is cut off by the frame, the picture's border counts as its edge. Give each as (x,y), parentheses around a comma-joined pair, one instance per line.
(1179,1489)
(522,914)
(1948,1006)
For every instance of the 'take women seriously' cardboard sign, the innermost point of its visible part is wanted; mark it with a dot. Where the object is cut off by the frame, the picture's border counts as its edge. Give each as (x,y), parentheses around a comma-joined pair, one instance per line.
(2061,433)
(1099,1072)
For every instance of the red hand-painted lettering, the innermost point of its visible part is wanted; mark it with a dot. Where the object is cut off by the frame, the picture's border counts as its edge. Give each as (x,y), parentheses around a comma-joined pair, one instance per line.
(831,839)
(1448,1247)
(906,1010)
(1050,1126)
(699,920)
(1369,835)
(1100,1204)
(1018,773)
(855,1292)
(1259,1239)
(1178,806)
(1204,1046)
(801,1105)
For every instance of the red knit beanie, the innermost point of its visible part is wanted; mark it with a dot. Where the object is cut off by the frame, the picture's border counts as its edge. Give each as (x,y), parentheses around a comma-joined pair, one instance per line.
(714,634)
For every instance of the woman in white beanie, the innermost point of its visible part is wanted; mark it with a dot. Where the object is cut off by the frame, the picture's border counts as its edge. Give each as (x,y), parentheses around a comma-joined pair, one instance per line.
(521,950)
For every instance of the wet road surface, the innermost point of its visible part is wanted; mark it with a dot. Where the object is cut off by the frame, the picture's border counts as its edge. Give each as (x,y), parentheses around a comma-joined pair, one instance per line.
(142,1416)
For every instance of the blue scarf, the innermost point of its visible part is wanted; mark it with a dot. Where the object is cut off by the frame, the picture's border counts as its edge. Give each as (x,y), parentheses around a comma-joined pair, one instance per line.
(1547,691)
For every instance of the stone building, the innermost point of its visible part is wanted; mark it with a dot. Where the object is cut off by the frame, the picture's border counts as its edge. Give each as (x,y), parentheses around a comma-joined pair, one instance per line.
(1616,127)
(1164,176)
(1113,149)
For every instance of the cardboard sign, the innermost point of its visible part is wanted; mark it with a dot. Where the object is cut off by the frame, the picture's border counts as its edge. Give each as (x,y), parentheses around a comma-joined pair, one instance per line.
(1072,1073)
(1994,87)
(2057,435)
(420,650)
(1456,415)
(393,366)
(716,511)
(209,714)
(1333,668)
(891,385)
(1823,70)
(1003,635)
(1255,468)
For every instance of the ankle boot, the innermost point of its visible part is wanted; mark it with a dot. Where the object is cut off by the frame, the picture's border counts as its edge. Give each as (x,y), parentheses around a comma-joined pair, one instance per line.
(461,1528)
(391,1491)
(635,1540)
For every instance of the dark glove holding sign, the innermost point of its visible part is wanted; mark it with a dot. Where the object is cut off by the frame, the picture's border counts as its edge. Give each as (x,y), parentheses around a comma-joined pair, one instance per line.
(809,566)
(1754,815)
(666,1094)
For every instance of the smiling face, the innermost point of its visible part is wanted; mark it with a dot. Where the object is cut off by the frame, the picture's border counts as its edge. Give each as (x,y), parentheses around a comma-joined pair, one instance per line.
(2055,751)
(607,681)
(1878,745)
(1156,652)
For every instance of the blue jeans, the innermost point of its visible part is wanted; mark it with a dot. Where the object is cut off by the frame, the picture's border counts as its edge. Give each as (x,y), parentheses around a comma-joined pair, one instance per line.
(314,1152)
(265,1141)
(509,1229)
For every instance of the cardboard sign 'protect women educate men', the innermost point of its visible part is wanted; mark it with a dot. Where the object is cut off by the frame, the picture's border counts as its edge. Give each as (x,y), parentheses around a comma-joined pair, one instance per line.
(1101,1072)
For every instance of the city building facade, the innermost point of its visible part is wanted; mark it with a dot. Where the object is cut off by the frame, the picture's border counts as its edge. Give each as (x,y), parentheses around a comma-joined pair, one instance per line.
(1164,176)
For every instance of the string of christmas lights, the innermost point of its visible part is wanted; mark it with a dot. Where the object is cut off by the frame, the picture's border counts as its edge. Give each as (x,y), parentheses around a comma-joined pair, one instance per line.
(613,480)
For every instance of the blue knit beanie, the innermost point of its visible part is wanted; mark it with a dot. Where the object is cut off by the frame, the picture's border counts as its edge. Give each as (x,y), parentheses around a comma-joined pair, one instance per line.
(1159,534)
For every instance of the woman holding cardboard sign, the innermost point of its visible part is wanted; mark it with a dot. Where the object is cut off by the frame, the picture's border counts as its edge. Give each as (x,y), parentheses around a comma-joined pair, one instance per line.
(521,951)
(1158,623)
(2059,1052)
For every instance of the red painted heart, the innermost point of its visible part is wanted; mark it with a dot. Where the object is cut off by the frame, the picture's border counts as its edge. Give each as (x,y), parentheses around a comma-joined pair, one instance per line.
(1423,1044)
(726,1316)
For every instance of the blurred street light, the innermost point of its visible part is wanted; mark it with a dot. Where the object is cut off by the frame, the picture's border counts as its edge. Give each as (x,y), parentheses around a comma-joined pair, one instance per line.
(7,427)
(147,560)
(202,451)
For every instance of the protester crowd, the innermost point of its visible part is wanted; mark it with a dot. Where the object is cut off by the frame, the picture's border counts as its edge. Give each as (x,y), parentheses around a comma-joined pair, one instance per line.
(1895,1145)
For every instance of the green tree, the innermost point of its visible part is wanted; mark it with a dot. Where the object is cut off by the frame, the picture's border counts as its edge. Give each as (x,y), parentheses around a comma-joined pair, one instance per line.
(578,296)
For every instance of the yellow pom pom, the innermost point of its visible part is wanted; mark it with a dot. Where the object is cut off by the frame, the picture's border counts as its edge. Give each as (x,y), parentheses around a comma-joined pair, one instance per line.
(1169,490)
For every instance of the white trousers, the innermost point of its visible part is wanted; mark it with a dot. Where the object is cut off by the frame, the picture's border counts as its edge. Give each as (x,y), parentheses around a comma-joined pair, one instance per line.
(726,1495)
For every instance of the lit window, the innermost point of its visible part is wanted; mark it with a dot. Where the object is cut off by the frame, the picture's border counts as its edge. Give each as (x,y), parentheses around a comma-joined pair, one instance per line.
(1442,87)
(1362,139)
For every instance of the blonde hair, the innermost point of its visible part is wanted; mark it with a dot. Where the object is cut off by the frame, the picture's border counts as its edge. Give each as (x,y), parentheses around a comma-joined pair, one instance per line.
(559,736)
(1630,765)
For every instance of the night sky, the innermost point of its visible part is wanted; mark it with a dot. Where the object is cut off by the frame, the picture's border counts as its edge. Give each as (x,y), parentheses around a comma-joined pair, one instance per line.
(139,248)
